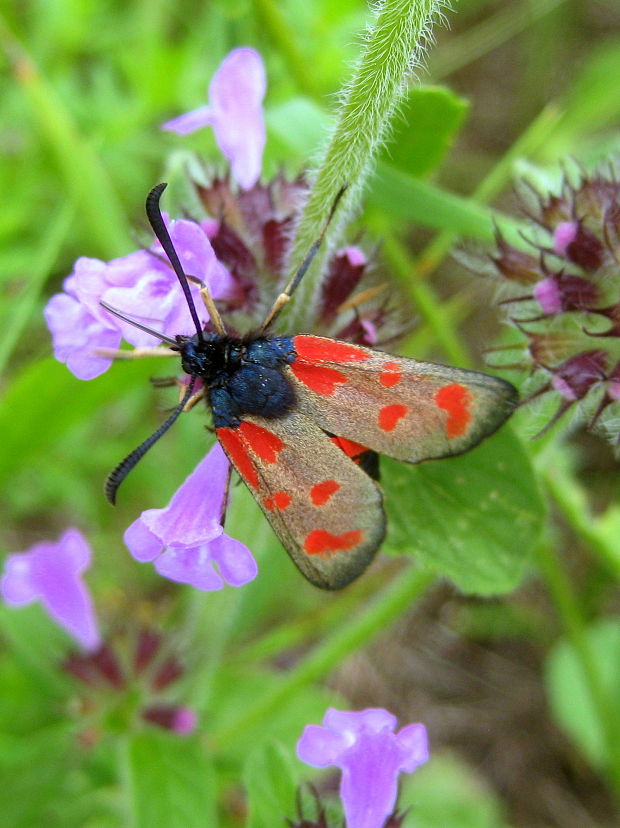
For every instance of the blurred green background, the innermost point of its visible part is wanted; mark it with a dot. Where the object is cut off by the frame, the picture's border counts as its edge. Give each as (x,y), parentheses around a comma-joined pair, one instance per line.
(84,87)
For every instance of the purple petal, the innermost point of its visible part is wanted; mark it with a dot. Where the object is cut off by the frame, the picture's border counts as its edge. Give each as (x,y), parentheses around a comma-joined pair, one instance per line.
(151,300)
(193,516)
(564,235)
(413,742)
(198,258)
(88,283)
(190,121)
(369,784)
(547,294)
(235,561)
(373,719)
(320,747)
(141,542)
(356,257)
(236,94)
(190,566)
(76,335)
(50,572)
(183,720)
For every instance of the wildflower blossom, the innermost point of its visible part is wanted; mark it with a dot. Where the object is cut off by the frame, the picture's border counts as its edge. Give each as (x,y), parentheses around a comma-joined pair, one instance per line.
(370,755)
(186,540)
(570,318)
(51,573)
(235,113)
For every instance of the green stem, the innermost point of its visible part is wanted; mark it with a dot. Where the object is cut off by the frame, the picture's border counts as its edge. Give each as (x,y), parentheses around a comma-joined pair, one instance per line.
(285,40)
(489,34)
(300,631)
(568,609)
(393,47)
(82,173)
(331,652)
(569,497)
(423,297)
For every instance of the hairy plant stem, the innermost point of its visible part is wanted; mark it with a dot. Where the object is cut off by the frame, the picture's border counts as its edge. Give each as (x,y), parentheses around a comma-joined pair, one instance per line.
(394,44)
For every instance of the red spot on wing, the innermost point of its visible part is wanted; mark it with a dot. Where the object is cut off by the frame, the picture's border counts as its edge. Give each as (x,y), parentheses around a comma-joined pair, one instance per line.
(455,399)
(262,441)
(315,349)
(350,448)
(390,415)
(317,377)
(322,492)
(319,541)
(391,375)
(237,450)
(280,500)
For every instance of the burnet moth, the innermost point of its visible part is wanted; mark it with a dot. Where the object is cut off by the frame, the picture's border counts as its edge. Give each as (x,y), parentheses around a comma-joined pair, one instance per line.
(300,418)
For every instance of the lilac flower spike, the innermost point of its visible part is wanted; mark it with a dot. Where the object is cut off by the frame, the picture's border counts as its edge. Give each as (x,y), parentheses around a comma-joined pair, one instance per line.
(235,112)
(50,573)
(186,538)
(370,755)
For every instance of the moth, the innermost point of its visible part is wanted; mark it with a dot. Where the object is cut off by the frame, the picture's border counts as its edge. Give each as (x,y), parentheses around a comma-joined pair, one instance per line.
(301,417)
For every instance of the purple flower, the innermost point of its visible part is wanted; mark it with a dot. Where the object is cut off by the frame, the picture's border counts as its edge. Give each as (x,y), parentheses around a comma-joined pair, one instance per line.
(186,538)
(235,112)
(143,286)
(370,755)
(50,573)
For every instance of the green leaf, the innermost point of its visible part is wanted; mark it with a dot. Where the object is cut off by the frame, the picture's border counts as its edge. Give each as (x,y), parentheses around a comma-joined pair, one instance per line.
(446,792)
(37,644)
(403,196)
(36,776)
(569,695)
(425,127)
(171,781)
(271,785)
(472,518)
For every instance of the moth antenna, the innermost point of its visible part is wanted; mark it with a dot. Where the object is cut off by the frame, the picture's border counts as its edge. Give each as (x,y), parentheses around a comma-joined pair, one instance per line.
(156,221)
(133,322)
(293,284)
(117,475)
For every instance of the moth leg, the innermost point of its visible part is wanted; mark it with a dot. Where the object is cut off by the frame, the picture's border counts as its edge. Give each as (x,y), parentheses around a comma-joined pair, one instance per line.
(193,400)
(209,303)
(136,353)
(164,382)
(226,498)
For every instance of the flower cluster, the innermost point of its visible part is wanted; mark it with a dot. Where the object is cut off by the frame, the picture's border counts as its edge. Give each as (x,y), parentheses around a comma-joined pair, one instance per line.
(564,298)
(130,679)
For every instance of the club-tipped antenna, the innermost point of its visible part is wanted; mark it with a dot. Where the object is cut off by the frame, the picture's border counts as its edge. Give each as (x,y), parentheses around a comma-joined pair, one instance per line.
(117,475)
(293,284)
(156,221)
(139,325)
